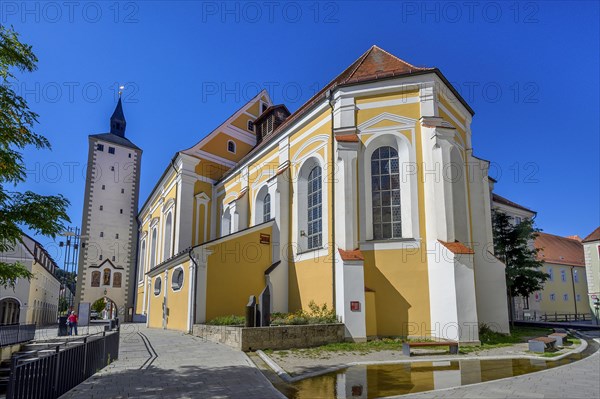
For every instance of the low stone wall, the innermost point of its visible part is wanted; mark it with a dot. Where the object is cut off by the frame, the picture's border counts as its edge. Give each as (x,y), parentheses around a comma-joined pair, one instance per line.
(275,337)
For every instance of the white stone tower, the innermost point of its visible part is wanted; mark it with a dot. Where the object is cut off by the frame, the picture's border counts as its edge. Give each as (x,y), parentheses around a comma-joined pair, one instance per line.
(109,225)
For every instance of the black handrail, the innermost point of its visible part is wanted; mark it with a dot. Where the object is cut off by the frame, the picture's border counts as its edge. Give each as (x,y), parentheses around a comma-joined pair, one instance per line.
(54,373)
(11,334)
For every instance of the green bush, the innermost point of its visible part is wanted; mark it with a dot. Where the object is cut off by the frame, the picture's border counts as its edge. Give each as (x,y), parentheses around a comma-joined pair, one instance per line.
(230,320)
(316,315)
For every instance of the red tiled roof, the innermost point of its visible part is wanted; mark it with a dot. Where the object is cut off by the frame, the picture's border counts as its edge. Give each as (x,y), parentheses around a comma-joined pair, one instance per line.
(457,247)
(375,63)
(575,237)
(351,255)
(560,250)
(594,236)
(347,138)
(501,200)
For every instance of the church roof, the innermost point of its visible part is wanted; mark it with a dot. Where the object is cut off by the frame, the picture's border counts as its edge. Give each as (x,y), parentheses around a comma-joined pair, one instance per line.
(374,64)
(559,250)
(113,138)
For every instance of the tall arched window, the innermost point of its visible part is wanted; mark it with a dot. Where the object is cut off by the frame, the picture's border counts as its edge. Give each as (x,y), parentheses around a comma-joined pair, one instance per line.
(153,249)
(106,277)
(141,270)
(385,186)
(168,234)
(267,208)
(315,212)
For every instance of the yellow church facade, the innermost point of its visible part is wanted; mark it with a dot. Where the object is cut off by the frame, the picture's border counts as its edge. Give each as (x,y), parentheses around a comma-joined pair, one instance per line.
(367,198)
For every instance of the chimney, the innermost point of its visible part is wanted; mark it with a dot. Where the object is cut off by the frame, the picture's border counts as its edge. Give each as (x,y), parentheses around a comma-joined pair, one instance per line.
(269,121)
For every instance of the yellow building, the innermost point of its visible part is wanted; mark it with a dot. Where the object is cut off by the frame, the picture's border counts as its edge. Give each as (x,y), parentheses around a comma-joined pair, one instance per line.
(565,292)
(32,301)
(367,198)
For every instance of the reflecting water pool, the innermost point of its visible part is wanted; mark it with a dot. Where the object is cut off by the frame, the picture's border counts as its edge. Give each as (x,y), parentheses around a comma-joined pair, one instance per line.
(376,381)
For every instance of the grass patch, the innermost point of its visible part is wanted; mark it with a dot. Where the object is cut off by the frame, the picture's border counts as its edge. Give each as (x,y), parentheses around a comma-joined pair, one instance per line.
(491,339)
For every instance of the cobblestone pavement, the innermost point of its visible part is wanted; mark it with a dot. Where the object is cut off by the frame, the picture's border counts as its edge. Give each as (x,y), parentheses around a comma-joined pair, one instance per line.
(576,380)
(168,364)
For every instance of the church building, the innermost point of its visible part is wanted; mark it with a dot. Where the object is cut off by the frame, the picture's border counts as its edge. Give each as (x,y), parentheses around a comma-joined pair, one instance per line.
(367,198)
(109,224)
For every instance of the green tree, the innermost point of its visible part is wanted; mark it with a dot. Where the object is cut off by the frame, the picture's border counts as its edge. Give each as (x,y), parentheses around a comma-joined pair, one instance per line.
(513,244)
(99,305)
(44,215)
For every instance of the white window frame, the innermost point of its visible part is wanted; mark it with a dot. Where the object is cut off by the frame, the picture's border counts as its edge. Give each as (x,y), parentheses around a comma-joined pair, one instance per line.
(168,236)
(259,204)
(408,184)
(153,247)
(158,279)
(142,260)
(301,198)
(173,288)
(234,146)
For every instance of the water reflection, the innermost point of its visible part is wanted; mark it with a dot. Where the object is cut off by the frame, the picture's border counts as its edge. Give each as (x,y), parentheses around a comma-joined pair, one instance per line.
(396,379)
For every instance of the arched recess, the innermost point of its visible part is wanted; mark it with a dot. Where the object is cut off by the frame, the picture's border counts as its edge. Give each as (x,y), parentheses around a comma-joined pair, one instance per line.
(408,183)
(457,177)
(262,206)
(311,212)
(168,234)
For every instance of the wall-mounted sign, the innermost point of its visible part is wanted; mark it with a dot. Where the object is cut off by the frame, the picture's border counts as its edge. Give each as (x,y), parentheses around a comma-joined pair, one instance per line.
(355,306)
(265,238)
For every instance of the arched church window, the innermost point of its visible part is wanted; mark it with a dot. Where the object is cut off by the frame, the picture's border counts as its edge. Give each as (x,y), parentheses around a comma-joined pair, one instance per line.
(385,187)
(315,224)
(106,278)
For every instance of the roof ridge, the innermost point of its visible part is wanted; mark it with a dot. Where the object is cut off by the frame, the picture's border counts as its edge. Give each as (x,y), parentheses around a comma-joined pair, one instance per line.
(401,60)
(358,63)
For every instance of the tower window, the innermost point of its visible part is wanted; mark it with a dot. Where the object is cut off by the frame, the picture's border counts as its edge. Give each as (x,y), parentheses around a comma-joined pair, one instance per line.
(231,146)
(101,234)
(117,236)
(112,168)
(129,155)
(100,147)
(121,211)
(103,187)
(101,207)
(251,126)
(122,191)
(111,150)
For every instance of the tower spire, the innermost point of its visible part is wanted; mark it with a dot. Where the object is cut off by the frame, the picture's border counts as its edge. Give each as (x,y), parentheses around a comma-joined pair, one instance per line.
(117,120)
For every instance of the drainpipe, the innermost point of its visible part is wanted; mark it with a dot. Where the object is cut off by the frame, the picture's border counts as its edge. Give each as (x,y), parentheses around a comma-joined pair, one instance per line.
(574,295)
(329,95)
(194,286)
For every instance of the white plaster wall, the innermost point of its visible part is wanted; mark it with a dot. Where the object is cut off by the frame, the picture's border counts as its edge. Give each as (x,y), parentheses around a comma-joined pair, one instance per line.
(349,287)
(466,298)
(442,289)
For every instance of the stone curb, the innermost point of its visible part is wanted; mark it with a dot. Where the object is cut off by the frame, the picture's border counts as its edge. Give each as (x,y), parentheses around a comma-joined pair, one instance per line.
(289,379)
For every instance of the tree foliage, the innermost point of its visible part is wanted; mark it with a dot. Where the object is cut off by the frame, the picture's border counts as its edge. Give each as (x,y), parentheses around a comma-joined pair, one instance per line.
(44,215)
(513,244)
(99,305)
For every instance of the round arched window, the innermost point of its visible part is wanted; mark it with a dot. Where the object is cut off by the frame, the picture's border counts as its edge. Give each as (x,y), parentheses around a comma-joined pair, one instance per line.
(177,279)
(157,285)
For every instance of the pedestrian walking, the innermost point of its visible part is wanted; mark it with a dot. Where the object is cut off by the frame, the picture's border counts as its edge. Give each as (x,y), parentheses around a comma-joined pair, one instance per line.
(72,323)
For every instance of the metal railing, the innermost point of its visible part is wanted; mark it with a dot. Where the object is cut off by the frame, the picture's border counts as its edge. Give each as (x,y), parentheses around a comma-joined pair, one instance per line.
(54,372)
(551,317)
(11,334)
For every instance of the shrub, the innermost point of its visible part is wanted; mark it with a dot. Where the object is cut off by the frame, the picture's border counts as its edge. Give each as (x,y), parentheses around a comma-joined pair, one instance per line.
(316,315)
(231,320)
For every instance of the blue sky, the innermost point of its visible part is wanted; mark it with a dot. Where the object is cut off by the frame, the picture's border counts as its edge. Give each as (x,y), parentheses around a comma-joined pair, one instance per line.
(529,70)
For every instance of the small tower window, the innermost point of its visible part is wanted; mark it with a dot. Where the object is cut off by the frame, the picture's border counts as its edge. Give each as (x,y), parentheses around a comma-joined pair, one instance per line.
(101,234)
(101,207)
(122,191)
(129,155)
(121,211)
(111,150)
(100,147)
(112,168)
(103,187)
(117,236)
(251,126)
(231,146)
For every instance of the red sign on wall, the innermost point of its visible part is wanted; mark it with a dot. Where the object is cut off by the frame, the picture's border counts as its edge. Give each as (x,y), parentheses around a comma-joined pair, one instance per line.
(355,306)
(265,238)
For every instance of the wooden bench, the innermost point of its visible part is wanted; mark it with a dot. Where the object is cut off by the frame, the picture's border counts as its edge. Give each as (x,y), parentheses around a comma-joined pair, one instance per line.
(542,344)
(407,345)
(562,339)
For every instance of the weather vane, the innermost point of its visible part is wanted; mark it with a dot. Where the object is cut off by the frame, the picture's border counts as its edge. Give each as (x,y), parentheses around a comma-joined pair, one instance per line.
(121,90)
